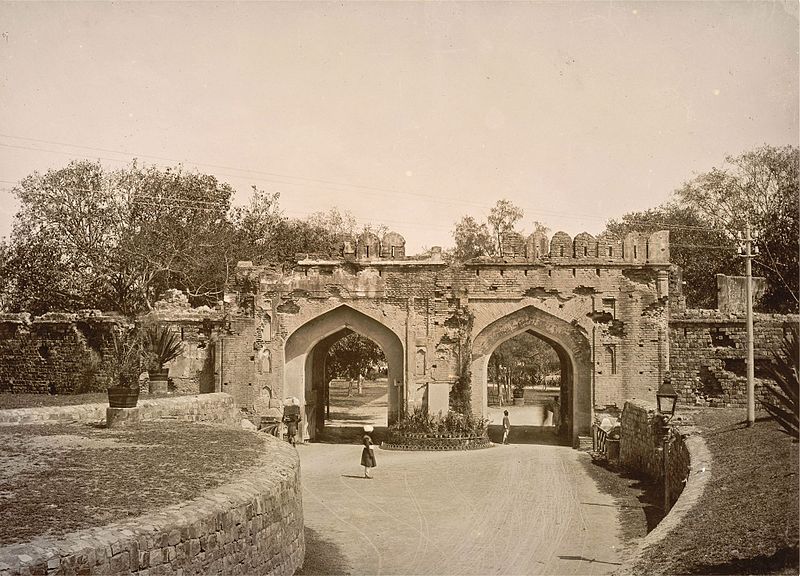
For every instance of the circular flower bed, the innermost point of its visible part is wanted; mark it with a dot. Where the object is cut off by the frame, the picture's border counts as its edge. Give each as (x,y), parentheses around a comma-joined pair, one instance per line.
(421,441)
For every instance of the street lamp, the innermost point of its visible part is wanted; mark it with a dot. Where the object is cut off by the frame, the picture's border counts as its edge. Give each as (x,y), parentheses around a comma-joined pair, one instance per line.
(666,398)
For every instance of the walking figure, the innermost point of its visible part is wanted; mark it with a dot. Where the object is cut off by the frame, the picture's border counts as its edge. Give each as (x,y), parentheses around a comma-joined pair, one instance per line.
(506,426)
(367,456)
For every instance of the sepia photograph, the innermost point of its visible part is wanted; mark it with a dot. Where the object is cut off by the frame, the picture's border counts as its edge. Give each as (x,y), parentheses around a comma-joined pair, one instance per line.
(411,287)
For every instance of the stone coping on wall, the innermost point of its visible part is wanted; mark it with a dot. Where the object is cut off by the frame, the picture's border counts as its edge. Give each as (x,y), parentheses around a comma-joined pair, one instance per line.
(699,475)
(212,407)
(701,315)
(252,525)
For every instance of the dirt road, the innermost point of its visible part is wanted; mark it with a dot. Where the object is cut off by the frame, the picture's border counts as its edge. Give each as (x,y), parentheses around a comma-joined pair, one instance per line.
(517,509)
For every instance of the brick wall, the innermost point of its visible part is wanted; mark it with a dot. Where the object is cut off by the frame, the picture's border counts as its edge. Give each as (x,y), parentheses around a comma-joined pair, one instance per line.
(708,354)
(641,446)
(66,353)
(53,353)
(253,525)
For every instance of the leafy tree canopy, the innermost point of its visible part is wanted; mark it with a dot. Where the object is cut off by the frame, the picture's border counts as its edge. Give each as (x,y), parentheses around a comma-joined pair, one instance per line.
(473,238)
(353,356)
(707,214)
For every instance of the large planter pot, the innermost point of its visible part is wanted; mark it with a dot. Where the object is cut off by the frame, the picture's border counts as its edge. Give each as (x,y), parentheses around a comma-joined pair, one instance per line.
(159,381)
(519,398)
(122,397)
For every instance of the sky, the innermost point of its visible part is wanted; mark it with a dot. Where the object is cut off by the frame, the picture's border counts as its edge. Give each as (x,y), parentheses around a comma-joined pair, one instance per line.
(407,114)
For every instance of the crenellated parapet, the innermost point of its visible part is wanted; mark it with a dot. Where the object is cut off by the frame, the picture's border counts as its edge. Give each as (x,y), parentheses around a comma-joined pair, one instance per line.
(635,247)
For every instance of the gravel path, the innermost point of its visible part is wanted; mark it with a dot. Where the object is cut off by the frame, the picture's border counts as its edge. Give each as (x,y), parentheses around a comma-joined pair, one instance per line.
(517,509)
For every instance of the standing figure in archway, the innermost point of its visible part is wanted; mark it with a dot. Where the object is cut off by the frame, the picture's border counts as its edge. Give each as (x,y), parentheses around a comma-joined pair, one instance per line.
(506,426)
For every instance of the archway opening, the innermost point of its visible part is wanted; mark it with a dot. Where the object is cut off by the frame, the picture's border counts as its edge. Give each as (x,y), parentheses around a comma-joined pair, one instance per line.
(570,343)
(306,358)
(525,375)
(356,383)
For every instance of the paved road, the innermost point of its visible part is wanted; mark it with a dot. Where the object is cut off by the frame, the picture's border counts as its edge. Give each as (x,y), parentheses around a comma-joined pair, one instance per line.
(517,509)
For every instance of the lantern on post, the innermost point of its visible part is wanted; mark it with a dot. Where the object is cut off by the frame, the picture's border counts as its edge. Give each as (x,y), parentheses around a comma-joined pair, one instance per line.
(666,398)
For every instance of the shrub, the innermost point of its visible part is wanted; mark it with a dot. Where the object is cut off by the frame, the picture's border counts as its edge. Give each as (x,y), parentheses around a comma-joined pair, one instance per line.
(782,400)
(161,345)
(452,424)
(126,361)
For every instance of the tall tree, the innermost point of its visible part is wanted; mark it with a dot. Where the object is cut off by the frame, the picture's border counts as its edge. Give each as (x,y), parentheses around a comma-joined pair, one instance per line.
(353,356)
(474,239)
(502,218)
(701,250)
(85,238)
(759,187)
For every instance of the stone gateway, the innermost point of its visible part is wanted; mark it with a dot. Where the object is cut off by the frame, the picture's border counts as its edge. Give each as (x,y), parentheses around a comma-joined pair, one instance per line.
(601,303)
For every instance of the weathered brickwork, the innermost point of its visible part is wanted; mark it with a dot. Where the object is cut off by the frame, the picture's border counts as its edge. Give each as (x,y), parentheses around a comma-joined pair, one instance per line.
(641,446)
(708,354)
(601,303)
(67,353)
(55,353)
(253,525)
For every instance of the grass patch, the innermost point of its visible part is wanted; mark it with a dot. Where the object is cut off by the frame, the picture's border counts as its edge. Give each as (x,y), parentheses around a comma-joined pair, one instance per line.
(58,478)
(747,520)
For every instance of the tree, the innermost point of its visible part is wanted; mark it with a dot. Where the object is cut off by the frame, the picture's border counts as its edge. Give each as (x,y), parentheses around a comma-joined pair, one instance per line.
(58,253)
(353,357)
(85,238)
(700,250)
(502,218)
(706,214)
(524,360)
(761,188)
(474,239)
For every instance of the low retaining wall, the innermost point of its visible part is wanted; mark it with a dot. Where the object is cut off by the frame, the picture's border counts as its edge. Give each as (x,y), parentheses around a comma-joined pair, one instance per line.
(253,525)
(215,407)
(641,446)
(690,467)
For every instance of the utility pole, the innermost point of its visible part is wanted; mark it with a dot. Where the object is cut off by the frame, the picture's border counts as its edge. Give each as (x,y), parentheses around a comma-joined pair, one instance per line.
(747,252)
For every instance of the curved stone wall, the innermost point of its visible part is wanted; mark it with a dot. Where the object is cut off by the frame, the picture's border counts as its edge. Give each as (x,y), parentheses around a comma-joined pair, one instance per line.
(253,525)
(688,468)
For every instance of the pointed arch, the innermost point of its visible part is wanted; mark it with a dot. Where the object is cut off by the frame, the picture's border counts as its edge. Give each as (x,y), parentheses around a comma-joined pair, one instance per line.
(569,342)
(306,347)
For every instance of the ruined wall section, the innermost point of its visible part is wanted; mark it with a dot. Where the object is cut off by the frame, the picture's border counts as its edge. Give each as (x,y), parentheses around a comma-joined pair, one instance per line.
(55,353)
(708,351)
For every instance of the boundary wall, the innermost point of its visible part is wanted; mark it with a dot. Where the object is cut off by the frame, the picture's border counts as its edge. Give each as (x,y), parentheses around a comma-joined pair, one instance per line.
(689,469)
(252,525)
(216,407)
(641,446)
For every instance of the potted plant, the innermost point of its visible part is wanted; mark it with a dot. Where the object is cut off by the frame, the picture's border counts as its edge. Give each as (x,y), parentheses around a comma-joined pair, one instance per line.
(519,393)
(161,345)
(125,365)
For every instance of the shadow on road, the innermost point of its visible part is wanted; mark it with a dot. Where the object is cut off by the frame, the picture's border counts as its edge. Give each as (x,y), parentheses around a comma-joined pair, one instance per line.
(322,557)
(527,435)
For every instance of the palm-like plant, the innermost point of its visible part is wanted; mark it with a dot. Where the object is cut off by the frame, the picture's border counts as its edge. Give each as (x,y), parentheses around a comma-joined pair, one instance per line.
(782,401)
(161,345)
